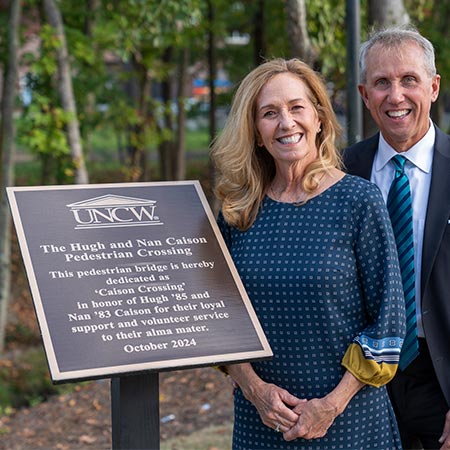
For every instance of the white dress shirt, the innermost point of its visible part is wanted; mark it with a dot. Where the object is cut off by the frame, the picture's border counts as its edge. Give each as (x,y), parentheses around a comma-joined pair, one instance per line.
(418,169)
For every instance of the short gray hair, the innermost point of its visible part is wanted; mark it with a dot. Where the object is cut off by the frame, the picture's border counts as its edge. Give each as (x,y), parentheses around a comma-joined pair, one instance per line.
(395,37)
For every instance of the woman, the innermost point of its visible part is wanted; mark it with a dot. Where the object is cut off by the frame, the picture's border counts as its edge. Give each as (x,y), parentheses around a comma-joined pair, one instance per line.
(315,250)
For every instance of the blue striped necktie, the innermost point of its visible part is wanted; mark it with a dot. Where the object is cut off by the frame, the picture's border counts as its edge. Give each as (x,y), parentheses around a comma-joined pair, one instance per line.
(400,209)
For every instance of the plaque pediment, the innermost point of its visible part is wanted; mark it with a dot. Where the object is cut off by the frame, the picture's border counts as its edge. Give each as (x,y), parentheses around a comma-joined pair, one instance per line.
(111,200)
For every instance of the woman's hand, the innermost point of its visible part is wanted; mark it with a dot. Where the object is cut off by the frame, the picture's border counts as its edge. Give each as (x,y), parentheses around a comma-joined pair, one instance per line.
(274,404)
(318,414)
(315,418)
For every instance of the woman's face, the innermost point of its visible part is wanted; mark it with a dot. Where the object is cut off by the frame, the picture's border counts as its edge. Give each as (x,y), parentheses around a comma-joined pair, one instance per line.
(286,121)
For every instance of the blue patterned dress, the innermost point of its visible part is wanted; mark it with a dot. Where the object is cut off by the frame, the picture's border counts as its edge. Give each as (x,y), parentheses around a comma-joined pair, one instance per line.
(321,277)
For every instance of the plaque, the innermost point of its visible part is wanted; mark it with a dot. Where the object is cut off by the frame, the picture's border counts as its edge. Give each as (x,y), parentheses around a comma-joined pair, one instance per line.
(132,277)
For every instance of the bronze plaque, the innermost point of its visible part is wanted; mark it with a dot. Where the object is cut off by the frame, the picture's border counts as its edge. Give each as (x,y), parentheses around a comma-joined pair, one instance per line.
(132,277)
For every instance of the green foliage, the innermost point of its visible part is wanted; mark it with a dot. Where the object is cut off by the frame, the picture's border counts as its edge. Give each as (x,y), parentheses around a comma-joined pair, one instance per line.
(20,334)
(134,35)
(326,26)
(81,48)
(156,24)
(432,18)
(45,65)
(25,381)
(418,9)
(28,173)
(42,128)
(326,23)
(116,49)
(231,19)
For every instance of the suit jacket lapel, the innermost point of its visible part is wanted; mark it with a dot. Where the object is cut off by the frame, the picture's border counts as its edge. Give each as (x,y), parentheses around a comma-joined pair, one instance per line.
(438,210)
(361,160)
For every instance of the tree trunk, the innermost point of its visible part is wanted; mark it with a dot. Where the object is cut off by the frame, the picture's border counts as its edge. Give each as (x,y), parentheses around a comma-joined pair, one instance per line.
(165,148)
(138,91)
(212,68)
(260,34)
(65,89)
(7,132)
(179,156)
(1,83)
(385,13)
(131,88)
(382,14)
(92,6)
(143,112)
(297,29)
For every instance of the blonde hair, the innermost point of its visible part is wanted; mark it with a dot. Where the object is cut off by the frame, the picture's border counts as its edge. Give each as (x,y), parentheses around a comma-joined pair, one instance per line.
(243,169)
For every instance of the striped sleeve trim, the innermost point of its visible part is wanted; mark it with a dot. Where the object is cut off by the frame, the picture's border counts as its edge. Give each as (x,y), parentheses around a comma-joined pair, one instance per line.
(385,350)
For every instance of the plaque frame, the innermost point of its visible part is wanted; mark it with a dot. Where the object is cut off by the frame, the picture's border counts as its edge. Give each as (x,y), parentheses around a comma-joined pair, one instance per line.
(23,215)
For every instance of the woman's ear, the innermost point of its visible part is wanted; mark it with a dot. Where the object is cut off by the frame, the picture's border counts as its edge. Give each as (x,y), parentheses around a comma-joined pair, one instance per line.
(258,140)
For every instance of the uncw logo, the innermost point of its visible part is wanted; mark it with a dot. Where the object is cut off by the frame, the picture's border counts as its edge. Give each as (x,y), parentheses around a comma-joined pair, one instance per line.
(110,211)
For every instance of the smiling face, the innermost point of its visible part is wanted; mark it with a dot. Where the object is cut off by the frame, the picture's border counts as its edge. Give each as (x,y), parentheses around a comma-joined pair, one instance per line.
(399,92)
(286,120)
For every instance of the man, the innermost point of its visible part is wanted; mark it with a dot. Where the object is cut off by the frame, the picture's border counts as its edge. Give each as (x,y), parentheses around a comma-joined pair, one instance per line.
(398,85)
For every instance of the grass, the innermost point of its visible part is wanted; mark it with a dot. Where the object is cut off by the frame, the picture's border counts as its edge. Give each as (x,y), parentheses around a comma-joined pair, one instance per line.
(197,141)
(211,438)
(105,143)
(103,159)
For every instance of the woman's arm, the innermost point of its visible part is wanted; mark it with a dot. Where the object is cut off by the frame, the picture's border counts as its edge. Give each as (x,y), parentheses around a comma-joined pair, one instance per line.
(373,355)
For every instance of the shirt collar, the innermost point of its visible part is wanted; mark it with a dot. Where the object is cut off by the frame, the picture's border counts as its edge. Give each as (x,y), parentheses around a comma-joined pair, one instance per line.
(420,154)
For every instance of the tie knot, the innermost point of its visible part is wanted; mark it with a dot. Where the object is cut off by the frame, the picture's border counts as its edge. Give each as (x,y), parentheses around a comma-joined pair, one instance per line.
(399,163)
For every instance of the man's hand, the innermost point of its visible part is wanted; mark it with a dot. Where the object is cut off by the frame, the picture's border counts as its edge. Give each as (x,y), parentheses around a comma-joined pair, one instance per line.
(445,438)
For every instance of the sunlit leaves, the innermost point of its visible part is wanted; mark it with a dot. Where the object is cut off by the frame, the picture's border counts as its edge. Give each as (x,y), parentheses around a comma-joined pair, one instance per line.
(42,128)
(151,23)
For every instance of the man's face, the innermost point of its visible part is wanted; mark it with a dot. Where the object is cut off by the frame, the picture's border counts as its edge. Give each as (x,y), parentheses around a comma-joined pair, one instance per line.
(399,93)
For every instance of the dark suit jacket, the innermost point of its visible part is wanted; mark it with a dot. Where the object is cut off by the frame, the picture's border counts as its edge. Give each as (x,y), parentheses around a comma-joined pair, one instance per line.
(435,276)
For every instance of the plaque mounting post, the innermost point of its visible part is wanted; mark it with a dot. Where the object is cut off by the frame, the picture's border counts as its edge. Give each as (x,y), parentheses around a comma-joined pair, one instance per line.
(135,412)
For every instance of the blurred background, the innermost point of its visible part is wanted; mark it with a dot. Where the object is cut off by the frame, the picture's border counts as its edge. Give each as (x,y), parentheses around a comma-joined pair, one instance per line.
(95,91)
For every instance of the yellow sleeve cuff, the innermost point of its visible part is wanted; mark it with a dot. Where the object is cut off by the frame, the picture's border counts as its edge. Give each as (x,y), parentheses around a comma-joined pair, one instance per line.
(365,370)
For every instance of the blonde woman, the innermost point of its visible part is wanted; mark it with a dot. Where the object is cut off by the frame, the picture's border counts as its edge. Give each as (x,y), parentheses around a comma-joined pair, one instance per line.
(315,250)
